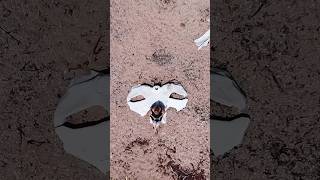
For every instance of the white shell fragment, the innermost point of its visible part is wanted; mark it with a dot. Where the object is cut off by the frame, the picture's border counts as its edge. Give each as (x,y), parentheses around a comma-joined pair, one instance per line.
(225,135)
(90,144)
(203,40)
(156,93)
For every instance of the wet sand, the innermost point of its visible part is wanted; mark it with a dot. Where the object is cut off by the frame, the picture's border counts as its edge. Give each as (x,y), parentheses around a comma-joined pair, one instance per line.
(152,42)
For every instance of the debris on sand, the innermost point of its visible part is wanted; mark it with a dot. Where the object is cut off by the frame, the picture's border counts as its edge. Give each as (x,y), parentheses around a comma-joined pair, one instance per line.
(203,40)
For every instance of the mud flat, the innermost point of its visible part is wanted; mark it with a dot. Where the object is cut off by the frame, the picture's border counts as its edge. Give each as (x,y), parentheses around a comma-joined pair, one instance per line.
(272,50)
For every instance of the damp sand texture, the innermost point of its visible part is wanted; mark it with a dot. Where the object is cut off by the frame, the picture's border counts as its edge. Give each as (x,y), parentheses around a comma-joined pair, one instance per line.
(152,42)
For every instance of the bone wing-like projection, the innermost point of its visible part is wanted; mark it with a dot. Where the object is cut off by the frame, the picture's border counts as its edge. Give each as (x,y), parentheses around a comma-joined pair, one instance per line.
(174,88)
(141,107)
(178,104)
(140,90)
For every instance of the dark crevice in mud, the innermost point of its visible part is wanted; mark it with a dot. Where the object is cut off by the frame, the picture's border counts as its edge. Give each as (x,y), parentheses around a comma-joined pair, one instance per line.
(9,34)
(258,10)
(221,118)
(275,79)
(103,71)
(37,143)
(96,50)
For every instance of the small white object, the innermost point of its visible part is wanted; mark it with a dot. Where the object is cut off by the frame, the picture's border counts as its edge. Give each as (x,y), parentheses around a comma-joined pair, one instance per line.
(203,40)
(154,94)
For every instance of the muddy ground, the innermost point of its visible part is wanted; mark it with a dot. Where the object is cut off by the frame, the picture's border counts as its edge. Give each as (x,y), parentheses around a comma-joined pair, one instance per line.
(272,49)
(43,44)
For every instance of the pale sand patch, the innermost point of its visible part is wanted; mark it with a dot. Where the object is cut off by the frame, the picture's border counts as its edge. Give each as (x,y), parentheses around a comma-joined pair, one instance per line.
(153,42)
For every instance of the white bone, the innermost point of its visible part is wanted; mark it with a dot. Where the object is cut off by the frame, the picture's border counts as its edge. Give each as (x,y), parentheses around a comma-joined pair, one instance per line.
(203,40)
(156,93)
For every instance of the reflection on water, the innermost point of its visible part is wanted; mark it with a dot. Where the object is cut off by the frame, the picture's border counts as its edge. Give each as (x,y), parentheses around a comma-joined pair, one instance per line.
(226,131)
(88,141)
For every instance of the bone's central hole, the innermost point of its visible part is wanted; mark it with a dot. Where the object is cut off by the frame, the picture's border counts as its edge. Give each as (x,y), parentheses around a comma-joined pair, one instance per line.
(176,96)
(157,110)
(137,98)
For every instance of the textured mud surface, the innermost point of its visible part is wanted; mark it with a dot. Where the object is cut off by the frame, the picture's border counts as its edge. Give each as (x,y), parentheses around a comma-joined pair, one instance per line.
(152,42)
(44,44)
(272,49)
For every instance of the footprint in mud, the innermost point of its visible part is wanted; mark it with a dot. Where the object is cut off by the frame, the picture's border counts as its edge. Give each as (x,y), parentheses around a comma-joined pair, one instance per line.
(192,74)
(141,142)
(170,167)
(161,57)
